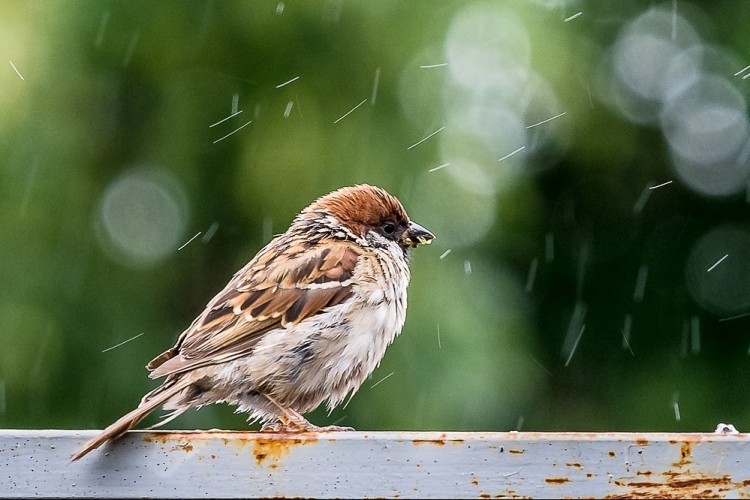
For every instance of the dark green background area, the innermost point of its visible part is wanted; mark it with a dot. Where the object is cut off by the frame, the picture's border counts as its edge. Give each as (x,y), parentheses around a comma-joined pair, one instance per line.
(115,88)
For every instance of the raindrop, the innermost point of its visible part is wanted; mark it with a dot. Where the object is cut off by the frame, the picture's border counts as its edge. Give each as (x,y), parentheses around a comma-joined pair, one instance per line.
(532,274)
(549,248)
(131,49)
(210,232)
(640,283)
(575,331)
(626,327)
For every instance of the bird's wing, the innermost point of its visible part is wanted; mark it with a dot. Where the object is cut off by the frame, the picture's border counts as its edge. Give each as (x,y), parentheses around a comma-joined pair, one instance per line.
(284,284)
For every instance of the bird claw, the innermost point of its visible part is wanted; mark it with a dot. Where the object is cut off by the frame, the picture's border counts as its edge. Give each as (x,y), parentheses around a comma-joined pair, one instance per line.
(297,428)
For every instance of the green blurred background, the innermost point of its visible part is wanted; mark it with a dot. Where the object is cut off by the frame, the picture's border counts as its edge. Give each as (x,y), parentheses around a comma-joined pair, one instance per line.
(569,287)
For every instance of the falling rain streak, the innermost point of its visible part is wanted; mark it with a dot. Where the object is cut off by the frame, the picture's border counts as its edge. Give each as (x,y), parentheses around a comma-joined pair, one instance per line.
(661,185)
(373,386)
(439,167)
(375,85)
(131,49)
(640,283)
(732,318)
(233,132)
(531,277)
(123,342)
(421,141)
(225,119)
(576,326)
(691,336)
(717,263)
(676,407)
(642,199)
(288,109)
(287,82)
(575,346)
(546,121)
(210,232)
(189,241)
(511,153)
(350,111)
(549,248)
(29,187)
(102,28)
(16,70)
(626,327)
(695,335)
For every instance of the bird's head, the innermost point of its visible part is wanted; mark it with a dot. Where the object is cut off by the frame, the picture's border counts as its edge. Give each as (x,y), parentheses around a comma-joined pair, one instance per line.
(372,214)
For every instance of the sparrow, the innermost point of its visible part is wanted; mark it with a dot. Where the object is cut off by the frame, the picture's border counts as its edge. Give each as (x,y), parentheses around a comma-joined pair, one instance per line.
(307,320)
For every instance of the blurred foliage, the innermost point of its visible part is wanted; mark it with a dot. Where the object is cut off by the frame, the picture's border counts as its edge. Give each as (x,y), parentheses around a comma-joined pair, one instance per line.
(561,292)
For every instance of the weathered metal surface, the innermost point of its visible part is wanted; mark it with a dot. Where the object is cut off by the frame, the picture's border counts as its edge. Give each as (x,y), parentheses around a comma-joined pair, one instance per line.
(377,464)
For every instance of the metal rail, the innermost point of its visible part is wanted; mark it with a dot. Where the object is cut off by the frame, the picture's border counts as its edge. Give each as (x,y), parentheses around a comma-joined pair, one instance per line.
(168,464)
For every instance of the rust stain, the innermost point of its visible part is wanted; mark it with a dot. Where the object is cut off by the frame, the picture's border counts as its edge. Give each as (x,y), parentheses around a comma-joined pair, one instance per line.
(676,486)
(589,475)
(643,473)
(510,494)
(474,481)
(516,452)
(641,442)
(179,443)
(575,464)
(612,454)
(440,440)
(436,442)
(276,447)
(685,452)
(157,438)
(557,480)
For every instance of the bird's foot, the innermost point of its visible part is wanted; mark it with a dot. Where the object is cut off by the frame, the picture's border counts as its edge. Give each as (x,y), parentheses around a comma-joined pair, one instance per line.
(300,427)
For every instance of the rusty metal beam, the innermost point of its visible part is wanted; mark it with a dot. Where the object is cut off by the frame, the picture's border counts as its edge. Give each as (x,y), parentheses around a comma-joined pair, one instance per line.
(225,464)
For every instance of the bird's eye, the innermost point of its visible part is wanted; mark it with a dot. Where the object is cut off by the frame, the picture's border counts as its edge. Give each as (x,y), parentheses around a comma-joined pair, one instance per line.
(389,227)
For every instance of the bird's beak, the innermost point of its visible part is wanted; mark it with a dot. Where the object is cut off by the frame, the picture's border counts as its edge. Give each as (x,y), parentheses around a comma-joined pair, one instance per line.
(416,235)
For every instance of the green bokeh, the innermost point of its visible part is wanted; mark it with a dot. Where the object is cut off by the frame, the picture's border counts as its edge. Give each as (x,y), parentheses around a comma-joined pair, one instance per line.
(112,88)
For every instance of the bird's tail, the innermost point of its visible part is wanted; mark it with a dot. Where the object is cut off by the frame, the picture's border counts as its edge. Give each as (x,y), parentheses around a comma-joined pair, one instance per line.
(149,403)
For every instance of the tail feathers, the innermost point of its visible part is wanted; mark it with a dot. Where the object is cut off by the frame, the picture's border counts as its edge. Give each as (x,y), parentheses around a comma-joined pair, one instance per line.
(155,399)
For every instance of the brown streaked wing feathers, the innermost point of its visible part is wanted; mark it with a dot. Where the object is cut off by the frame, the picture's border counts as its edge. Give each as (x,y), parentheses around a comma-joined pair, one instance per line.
(270,292)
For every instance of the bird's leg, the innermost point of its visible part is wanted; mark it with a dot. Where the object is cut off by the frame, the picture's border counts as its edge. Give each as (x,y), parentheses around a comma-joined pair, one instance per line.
(292,421)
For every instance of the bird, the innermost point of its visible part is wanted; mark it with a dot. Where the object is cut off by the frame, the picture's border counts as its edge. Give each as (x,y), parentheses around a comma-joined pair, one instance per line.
(306,320)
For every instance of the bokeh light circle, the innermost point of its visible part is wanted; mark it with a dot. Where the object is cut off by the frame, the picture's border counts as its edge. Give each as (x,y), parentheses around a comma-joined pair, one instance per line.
(707,130)
(142,216)
(486,44)
(459,215)
(718,270)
